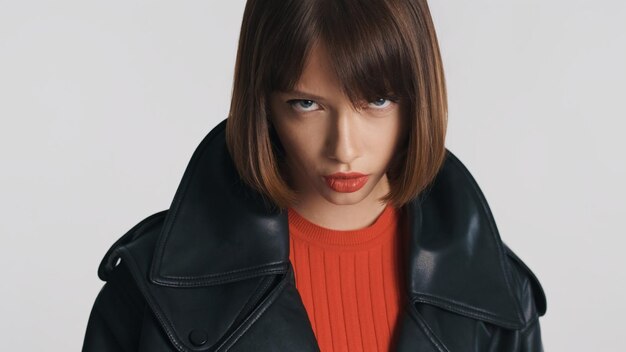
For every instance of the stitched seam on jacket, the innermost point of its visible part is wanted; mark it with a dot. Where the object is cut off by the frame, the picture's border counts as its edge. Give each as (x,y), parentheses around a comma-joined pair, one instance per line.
(426,329)
(167,325)
(465,309)
(254,316)
(258,291)
(237,274)
(135,232)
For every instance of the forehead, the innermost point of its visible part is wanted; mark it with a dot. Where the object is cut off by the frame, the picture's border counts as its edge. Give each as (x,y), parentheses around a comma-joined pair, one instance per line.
(317,73)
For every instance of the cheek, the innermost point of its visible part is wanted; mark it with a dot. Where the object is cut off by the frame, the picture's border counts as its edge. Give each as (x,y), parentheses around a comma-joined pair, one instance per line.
(384,136)
(383,143)
(298,143)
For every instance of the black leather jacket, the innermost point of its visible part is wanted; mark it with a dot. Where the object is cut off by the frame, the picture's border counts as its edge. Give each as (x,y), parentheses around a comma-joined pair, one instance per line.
(212,273)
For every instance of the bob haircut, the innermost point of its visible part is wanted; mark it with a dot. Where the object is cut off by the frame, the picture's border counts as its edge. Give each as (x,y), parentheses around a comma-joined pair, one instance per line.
(379,48)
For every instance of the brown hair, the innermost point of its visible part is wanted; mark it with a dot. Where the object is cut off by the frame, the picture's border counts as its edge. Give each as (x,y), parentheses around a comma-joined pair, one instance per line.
(393,39)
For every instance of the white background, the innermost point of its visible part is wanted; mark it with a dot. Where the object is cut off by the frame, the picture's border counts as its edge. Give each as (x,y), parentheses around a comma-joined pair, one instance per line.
(103,103)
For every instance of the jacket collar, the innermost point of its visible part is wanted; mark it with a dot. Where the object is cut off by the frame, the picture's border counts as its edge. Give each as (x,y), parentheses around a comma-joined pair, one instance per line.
(228,232)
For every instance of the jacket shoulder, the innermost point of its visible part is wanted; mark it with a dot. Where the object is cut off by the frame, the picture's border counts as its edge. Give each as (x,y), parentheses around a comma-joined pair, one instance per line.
(115,321)
(527,287)
(148,227)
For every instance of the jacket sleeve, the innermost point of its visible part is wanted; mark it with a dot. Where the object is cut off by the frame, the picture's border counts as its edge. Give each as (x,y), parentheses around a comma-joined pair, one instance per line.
(533,303)
(115,320)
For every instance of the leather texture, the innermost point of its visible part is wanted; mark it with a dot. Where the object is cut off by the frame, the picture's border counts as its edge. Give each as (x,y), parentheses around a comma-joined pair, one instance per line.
(212,273)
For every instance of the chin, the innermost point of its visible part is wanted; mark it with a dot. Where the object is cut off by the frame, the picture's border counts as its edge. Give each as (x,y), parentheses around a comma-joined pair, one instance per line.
(339,198)
(342,200)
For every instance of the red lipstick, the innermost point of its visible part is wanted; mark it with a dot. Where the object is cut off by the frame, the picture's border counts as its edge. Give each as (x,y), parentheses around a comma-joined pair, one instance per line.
(346,182)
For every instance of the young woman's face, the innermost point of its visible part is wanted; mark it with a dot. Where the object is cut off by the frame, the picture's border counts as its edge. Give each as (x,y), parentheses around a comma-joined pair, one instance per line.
(322,135)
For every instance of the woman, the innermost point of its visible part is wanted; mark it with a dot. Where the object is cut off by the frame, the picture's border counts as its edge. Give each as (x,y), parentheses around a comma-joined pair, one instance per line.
(325,212)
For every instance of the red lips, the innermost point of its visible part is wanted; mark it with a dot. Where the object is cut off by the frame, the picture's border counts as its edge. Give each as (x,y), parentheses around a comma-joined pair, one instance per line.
(346,182)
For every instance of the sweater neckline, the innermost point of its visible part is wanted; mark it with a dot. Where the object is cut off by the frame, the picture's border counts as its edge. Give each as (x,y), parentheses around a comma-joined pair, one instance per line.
(363,237)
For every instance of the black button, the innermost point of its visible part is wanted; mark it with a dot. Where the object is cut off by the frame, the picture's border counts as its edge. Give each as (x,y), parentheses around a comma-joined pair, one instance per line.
(198,337)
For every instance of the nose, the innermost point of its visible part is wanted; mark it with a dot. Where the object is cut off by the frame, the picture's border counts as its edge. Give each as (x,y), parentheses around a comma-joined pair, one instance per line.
(343,142)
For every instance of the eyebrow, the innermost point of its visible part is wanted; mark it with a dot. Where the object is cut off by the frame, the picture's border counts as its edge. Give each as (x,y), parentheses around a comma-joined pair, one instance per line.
(298,92)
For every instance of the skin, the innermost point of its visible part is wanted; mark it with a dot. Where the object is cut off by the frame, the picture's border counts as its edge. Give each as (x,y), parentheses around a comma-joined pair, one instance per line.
(322,134)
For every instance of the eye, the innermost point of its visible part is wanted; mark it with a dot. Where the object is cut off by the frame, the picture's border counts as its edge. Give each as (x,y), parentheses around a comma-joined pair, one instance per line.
(302,105)
(381,103)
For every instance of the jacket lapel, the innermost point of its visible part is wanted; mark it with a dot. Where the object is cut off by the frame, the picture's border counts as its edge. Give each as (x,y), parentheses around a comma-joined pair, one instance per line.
(457,260)
(224,230)
(224,240)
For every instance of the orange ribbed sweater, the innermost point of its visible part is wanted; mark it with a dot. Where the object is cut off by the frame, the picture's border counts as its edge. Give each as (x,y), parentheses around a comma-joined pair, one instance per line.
(350,281)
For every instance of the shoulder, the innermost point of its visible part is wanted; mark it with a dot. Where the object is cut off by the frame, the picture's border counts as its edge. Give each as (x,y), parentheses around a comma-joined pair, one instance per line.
(526,287)
(119,269)
(115,321)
